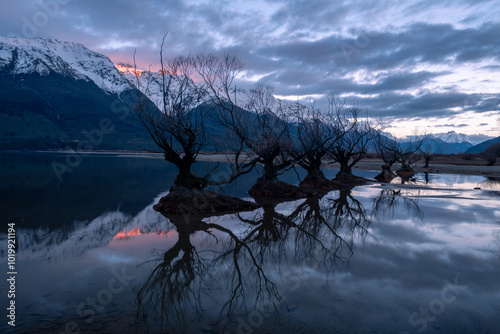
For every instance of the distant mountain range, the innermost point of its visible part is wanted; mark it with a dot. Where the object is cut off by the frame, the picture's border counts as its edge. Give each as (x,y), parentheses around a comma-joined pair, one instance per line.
(450,143)
(483,146)
(60,95)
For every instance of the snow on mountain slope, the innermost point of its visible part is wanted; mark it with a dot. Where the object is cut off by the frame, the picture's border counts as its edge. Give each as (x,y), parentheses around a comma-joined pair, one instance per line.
(44,245)
(452,137)
(39,55)
(150,83)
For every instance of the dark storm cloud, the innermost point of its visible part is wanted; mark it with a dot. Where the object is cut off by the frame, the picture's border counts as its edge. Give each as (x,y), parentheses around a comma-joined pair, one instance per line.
(419,44)
(479,138)
(437,101)
(426,105)
(452,125)
(300,47)
(402,81)
(483,103)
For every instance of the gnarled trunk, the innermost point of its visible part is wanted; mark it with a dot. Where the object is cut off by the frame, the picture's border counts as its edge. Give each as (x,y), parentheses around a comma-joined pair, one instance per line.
(313,168)
(345,169)
(185,178)
(315,174)
(270,172)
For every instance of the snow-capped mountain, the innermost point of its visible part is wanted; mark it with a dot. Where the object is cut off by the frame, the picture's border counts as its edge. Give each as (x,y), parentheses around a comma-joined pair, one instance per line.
(54,94)
(39,55)
(453,138)
(42,56)
(151,83)
(448,143)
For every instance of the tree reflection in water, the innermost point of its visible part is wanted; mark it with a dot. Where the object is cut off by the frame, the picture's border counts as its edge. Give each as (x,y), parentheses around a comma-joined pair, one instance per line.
(491,182)
(496,245)
(385,205)
(240,264)
(176,286)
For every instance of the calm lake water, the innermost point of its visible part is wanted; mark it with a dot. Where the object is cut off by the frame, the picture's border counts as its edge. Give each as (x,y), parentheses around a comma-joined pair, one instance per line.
(94,257)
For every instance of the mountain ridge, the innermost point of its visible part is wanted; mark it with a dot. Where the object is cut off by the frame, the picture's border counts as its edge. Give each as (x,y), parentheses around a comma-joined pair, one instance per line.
(58,91)
(483,146)
(55,98)
(453,137)
(39,55)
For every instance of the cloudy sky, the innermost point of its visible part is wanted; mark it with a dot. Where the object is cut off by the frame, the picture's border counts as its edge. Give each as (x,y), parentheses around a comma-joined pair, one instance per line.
(429,64)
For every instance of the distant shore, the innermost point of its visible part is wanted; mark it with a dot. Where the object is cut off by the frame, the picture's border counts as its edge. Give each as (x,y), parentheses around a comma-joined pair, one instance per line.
(441,164)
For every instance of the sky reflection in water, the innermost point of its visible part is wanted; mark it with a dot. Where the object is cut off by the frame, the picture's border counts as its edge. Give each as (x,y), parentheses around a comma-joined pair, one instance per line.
(417,258)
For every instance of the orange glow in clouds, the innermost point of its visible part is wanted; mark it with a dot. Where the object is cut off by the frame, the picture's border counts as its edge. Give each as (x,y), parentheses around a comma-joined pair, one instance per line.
(136,232)
(135,71)
(124,69)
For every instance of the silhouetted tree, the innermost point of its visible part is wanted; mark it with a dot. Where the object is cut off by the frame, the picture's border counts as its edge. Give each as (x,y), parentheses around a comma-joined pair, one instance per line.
(266,131)
(396,149)
(428,153)
(227,103)
(427,158)
(382,145)
(180,128)
(491,154)
(317,132)
(263,130)
(179,132)
(257,119)
(354,137)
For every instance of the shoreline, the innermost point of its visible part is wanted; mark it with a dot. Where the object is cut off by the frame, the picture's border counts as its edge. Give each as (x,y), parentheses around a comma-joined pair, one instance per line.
(448,165)
(436,168)
(440,167)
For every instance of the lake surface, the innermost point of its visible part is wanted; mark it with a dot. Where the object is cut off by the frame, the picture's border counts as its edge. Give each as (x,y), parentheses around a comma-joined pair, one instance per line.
(94,257)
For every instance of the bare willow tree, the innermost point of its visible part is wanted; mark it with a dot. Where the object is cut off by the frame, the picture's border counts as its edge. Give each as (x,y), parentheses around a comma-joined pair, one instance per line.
(382,142)
(317,133)
(405,152)
(427,154)
(266,131)
(354,137)
(491,154)
(263,131)
(178,129)
(227,102)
